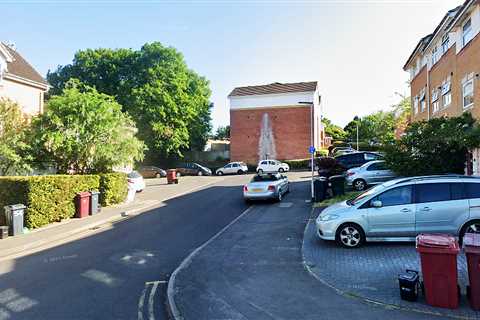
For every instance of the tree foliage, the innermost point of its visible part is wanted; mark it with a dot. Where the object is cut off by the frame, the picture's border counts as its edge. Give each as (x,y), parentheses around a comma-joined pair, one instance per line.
(85,131)
(14,150)
(168,101)
(222,133)
(437,146)
(332,130)
(378,127)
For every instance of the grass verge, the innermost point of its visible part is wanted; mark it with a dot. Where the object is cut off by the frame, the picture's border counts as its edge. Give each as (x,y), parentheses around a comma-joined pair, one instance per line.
(340,198)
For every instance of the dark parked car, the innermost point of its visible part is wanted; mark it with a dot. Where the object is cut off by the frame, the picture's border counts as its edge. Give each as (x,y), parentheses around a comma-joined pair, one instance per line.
(193,169)
(152,172)
(357,159)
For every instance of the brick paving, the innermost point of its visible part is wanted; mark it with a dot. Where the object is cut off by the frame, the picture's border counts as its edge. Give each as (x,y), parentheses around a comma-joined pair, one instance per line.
(370,272)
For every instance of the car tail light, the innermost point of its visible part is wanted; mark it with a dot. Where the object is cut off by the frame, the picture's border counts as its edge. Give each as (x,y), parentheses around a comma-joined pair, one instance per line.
(271,188)
(350,173)
(245,188)
(130,180)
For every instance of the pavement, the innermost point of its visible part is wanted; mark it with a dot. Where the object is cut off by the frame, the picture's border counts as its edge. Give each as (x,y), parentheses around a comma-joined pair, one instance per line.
(253,269)
(379,265)
(118,269)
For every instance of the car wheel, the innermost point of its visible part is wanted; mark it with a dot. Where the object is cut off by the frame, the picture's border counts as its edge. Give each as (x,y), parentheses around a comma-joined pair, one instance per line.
(259,171)
(138,191)
(200,173)
(239,172)
(219,173)
(470,227)
(281,170)
(178,174)
(279,197)
(350,236)
(158,175)
(359,184)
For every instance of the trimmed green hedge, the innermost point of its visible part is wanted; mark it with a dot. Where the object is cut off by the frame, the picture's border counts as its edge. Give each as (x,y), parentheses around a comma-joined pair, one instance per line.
(298,164)
(113,188)
(52,198)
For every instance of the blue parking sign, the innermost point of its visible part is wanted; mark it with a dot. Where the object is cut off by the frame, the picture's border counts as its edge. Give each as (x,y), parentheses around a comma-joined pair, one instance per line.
(311,149)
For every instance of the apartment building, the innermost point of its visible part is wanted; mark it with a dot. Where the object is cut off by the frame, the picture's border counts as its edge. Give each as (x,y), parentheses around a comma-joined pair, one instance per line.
(273,121)
(444,70)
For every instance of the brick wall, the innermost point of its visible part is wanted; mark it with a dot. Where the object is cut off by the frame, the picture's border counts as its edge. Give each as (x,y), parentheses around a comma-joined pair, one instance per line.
(444,68)
(417,84)
(290,126)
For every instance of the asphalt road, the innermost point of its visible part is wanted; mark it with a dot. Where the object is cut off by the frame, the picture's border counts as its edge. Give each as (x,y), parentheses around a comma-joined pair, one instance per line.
(119,272)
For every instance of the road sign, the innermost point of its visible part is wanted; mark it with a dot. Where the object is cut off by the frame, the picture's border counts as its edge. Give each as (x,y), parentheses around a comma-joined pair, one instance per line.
(311,149)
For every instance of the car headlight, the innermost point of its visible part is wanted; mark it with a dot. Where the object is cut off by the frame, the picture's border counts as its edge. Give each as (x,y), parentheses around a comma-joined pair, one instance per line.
(328,217)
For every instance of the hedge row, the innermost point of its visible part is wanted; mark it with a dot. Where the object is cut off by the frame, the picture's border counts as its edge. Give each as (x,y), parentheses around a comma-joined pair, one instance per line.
(51,198)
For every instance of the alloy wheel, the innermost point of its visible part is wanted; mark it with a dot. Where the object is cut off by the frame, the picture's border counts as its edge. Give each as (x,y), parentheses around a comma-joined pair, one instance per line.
(219,173)
(359,185)
(200,173)
(350,236)
(473,228)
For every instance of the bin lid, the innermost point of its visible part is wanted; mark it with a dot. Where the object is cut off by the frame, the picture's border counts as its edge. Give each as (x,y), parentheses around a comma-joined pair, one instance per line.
(94,192)
(433,243)
(15,207)
(471,243)
(409,275)
(83,194)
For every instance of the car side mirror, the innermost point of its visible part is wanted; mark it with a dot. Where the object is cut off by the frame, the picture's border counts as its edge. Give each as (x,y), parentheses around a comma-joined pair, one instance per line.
(377,204)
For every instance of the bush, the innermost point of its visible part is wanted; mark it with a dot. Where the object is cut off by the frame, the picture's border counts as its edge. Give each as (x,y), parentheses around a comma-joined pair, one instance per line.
(113,188)
(48,198)
(298,164)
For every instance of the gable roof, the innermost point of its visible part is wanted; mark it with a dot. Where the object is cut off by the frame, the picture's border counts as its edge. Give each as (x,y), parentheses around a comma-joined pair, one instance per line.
(274,88)
(19,67)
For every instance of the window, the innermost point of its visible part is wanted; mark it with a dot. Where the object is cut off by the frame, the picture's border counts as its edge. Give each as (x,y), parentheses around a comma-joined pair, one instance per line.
(396,196)
(264,162)
(467,32)
(235,165)
(435,55)
(446,92)
(472,190)
(377,166)
(467,91)
(228,166)
(423,103)
(435,102)
(445,42)
(457,191)
(432,192)
(415,105)
(371,156)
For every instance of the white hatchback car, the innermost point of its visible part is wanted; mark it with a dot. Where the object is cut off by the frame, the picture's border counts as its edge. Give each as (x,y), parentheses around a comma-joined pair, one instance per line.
(272,166)
(232,168)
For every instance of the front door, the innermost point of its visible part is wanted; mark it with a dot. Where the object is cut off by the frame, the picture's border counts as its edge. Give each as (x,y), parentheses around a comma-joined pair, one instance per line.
(440,207)
(396,216)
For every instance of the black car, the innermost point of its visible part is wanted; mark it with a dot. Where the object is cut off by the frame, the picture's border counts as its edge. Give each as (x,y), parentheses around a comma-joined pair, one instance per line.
(357,159)
(192,169)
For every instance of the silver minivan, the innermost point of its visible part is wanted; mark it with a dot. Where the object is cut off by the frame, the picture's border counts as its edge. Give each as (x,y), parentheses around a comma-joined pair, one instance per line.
(399,210)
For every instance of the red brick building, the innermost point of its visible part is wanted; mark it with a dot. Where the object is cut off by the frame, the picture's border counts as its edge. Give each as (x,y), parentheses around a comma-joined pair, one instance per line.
(444,70)
(268,121)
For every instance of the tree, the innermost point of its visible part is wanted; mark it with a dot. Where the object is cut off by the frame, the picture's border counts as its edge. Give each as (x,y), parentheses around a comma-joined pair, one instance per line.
(169,102)
(378,127)
(332,130)
(85,131)
(14,150)
(222,133)
(437,146)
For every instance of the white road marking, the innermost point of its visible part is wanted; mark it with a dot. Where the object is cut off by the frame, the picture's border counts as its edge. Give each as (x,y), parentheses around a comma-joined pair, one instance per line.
(140,304)
(151,315)
(102,277)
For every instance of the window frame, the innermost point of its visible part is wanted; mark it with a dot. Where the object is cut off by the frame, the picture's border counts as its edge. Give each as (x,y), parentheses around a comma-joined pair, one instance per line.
(469,32)
(468,81)
(445,42)
(412,194)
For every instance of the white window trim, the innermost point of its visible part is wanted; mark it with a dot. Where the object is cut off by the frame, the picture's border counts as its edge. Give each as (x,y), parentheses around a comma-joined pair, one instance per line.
(464,43)
(415,105)
(468,79)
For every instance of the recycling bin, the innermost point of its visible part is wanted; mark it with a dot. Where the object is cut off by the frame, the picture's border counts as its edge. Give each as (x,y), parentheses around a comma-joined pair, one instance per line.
(3,232)
(438,256)
(172,176)
(471,245)
(82,204)
(320,186)
(14,218)
(338,184)
(408,283)
(94,202)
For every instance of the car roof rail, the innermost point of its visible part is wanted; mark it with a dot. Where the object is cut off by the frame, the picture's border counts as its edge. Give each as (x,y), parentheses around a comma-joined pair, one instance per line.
(440,176)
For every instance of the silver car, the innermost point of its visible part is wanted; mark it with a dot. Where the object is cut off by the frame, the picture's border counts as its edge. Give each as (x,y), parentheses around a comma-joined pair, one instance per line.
(232,168)
(399,210)
(266,186)
(371,173)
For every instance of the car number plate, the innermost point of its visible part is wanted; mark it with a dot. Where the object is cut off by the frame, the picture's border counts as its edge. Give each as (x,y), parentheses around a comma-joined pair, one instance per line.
(257,190)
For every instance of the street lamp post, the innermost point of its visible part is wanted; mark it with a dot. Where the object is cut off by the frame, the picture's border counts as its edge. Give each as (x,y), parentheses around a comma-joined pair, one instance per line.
(312,166)
(356,119)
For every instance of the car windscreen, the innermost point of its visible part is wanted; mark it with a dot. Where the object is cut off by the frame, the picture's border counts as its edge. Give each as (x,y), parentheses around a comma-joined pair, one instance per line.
(134,174)
(365,194)
(262,178)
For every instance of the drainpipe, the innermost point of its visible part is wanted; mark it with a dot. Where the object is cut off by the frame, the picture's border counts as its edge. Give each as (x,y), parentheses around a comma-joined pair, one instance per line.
(428,93)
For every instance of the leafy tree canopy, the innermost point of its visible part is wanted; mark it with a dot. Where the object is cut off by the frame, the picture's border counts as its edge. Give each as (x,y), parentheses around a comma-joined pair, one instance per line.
(437,146)
(332,130)
(222,133)
(378,127)
(85,131)
(168,101)
(14,151)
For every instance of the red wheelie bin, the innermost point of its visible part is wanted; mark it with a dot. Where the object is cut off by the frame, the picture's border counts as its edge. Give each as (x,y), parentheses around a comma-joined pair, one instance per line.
(471,245)
(172,176)
(438,255)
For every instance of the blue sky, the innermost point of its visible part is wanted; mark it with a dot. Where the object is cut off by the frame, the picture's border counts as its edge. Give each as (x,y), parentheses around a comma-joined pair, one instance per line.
(355,49)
